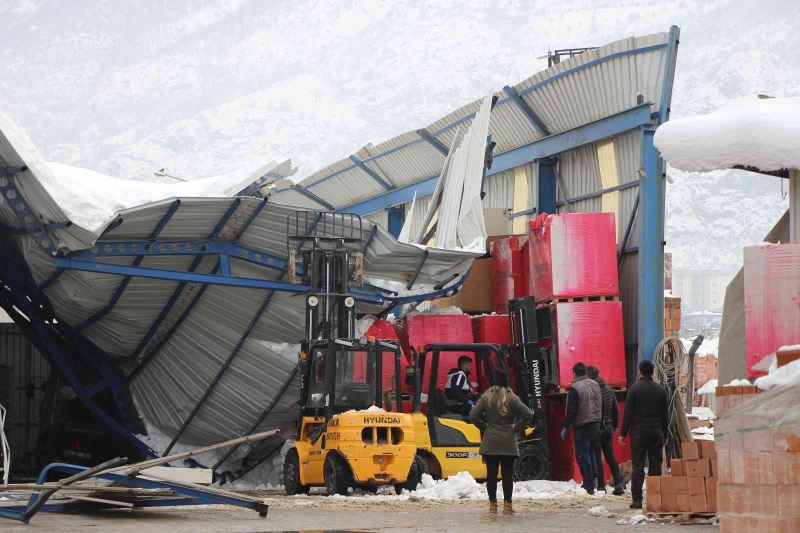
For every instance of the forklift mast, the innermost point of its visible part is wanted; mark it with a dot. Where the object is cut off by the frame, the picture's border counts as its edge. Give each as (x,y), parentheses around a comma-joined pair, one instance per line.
(324,251)
(527,357)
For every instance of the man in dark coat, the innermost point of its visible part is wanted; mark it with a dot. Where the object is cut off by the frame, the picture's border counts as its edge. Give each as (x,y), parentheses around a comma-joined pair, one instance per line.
(646,420)
(608,427)
(584,413)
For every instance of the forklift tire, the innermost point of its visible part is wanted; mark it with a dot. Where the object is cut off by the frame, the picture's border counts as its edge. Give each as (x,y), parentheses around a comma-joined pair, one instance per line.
(291,474)
(531,464)
(337,475)
(418,467)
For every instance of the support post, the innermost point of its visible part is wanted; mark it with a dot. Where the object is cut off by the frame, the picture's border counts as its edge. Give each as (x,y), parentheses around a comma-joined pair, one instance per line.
(546,186)
(651,248)
(794,205)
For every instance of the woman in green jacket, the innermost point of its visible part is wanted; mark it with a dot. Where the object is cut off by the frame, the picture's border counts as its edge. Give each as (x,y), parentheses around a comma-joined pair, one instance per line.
(500,414)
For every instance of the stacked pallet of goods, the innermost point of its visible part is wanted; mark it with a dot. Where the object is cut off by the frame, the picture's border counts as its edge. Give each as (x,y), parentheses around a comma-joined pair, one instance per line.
(691,486)
(574,279)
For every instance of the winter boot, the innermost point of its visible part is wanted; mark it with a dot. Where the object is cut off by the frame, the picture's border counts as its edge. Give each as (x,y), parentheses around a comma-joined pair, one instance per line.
(619,490)
(508,508)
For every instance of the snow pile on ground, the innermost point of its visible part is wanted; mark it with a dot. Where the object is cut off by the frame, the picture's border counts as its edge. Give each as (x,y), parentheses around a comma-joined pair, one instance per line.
(633,520)
(762,133)
(463,486)
(599,510)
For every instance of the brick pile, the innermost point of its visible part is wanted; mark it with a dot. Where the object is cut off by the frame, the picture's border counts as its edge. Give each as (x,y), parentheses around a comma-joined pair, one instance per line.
(729,397)
(672,316)
(691,486)
(758,449)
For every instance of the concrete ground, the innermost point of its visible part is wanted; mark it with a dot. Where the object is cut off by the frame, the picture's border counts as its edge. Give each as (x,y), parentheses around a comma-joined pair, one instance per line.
(319,513)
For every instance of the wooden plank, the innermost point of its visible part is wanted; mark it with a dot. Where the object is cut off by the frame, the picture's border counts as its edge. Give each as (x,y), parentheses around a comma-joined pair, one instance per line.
(201,476)
(519,224)
(609,177)
(115,503)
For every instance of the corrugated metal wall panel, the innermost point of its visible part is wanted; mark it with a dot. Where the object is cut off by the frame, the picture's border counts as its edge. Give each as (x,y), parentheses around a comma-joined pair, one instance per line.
(499,189)
(25,365)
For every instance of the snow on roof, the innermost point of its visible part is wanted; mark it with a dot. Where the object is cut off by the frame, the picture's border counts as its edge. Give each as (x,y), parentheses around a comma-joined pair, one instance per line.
(761,133)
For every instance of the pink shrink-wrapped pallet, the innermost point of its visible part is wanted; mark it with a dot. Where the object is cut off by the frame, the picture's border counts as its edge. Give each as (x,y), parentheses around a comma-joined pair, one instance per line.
(771,300)
(508,275)
(573,255)
(418,330)
(591,332)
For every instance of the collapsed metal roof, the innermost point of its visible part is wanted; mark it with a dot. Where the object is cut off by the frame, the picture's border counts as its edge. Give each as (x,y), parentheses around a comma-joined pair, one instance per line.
(201,352)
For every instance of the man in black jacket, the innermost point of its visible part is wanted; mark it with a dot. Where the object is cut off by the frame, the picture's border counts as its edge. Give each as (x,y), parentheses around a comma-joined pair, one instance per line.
(608,427)
(646,419)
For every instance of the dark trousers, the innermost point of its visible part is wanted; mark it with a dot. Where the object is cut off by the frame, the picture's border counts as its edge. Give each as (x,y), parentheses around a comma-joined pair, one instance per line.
(587,438)
(646,443)
(506,465)
(606,447)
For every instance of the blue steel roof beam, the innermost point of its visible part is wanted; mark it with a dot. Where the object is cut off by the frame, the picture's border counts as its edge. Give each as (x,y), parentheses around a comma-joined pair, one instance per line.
(174,297)
(311,196)
(433,141)
(136,262)
(52,279)
(371,173)
(29,220)
(525,108)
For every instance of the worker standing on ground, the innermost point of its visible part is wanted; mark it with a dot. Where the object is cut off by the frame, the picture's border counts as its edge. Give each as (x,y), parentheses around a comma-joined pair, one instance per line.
(584,413)
(608,425)
(500,414)
(458,386)
(646,419)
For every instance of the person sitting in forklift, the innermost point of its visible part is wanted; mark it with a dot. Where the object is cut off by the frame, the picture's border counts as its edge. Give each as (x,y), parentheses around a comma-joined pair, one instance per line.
(608,426)
(584,413)
(458,387)
(500,414)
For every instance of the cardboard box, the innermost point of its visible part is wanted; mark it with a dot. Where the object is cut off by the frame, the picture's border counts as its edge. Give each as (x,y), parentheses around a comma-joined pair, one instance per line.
(654,502)
(475,295)
(707,450)
(698,504)
(681,486)
(668,485)
(677,467)
(697,485)
(690,450)
(669,503)
(496,221)
(653,484)
(684,503)
(698,468)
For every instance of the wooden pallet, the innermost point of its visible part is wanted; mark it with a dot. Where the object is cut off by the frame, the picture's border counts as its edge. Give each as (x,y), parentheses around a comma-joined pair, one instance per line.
(554,301)
(683,517)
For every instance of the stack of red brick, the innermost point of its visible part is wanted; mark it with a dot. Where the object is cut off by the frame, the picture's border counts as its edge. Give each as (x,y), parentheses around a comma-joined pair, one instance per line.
(758,449)
(692,485)
(672,316)
(729,397)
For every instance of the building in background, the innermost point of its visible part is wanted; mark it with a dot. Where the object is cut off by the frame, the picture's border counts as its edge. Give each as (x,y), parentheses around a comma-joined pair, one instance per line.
(701,290)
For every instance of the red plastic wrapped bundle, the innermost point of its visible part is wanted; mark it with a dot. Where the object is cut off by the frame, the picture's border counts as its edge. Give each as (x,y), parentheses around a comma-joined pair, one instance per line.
(562,453)
(507,271)
(491,329)
(380,329)
(418,330)
(591,332)
(771,300)
(526,270)
(573,255)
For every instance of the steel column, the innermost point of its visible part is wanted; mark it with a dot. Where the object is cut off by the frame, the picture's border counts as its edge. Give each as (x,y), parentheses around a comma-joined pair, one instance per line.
(546,186)
(651,248)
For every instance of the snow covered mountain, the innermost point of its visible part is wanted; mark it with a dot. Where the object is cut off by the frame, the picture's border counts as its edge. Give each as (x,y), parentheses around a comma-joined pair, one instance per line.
(202,88)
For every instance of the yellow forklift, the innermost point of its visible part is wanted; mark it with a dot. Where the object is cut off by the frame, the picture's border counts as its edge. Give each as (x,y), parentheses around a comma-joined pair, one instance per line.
(344,439)
(446,442)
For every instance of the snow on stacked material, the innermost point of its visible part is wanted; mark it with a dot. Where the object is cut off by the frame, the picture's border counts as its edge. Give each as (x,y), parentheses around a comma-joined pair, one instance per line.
(738,383)
(371,409)
(708,387)
(788,374)
(762,133)
(708,347)
(703,433)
